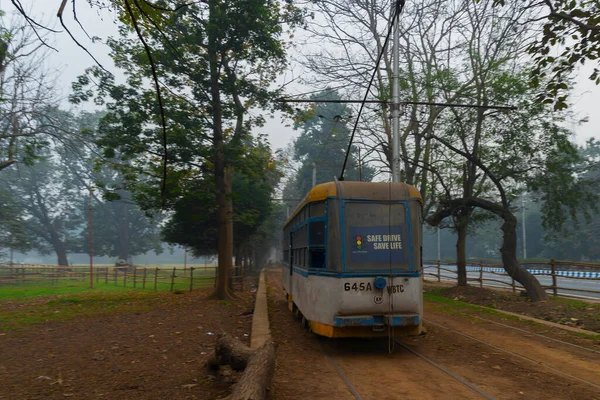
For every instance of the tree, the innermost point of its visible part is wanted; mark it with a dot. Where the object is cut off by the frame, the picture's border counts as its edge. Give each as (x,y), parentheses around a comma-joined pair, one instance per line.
(48,196)
(216,61)
(27,96)
(528,149)
(194,220)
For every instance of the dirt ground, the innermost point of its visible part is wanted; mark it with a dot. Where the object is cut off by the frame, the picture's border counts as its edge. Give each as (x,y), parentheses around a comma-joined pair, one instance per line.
(158,353)
(533,368)
(567,312)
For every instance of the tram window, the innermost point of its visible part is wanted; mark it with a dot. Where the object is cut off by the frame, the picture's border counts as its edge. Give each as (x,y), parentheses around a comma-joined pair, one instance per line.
(317,233)
(317,258)
(381,230)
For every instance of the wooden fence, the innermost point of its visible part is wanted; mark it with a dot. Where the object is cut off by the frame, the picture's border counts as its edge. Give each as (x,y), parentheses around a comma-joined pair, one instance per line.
(585,274)
(157,278)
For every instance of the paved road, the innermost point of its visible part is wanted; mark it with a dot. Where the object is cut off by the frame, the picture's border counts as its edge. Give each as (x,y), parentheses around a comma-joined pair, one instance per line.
(572,287)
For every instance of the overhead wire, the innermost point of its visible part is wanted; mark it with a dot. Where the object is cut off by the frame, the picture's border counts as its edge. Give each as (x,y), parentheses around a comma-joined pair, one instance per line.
(397,12)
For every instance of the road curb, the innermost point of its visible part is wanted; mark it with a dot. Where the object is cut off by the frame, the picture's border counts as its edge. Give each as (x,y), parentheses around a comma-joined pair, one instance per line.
(260,319)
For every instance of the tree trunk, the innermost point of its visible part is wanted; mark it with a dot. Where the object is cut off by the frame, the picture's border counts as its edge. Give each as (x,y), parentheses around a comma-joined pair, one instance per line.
(509,245)
(222,183)
(509,259)
(123,231)
(461,250)
(61,254)
(258,366)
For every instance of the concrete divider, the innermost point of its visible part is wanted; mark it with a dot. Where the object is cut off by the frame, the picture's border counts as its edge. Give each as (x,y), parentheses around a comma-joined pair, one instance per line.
(260,319)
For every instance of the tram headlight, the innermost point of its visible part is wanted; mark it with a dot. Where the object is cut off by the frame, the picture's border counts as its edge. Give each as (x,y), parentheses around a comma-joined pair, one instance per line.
(380,283)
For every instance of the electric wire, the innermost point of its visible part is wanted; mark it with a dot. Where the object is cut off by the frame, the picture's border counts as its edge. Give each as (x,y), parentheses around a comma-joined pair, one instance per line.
(397,12)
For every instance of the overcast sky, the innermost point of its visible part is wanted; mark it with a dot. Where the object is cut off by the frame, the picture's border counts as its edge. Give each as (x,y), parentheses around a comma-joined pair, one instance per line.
(71,61)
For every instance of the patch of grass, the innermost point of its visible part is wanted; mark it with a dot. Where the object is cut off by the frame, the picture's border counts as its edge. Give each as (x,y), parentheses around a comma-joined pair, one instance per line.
(451,306)
(592,336)
(30,290)
(573,303)
(69,308)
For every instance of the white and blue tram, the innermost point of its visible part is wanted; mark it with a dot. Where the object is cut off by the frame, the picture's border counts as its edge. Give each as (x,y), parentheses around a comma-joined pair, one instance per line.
(352,259)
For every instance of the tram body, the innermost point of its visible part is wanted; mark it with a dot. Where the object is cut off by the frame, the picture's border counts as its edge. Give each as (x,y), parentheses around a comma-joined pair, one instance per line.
(352,259)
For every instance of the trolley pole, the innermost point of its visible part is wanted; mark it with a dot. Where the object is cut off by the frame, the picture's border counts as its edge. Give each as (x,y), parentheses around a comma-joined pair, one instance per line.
(395,97)
(314,174)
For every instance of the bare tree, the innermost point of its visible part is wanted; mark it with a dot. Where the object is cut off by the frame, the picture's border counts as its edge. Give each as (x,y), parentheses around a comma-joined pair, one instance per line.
(26,94)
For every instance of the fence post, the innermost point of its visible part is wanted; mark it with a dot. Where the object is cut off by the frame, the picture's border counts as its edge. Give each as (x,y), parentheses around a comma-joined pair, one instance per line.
(125,277)
(439,271)
(513,285)
(243,277)
(173,279)
(97,277)
(144,279)
(191,278)
(134,276)
(106,276)
(115,271)
(155,277)
(553,271)
(481,274)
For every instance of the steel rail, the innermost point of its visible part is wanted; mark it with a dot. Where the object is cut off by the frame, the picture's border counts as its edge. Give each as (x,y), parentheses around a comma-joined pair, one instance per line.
(469,385)
(516,355)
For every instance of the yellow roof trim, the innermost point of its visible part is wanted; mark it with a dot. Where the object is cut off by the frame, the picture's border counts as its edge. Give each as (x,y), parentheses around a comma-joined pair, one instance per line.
(319,192)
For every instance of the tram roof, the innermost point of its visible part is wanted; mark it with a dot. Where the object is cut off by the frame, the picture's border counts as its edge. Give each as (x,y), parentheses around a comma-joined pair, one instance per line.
(358,190)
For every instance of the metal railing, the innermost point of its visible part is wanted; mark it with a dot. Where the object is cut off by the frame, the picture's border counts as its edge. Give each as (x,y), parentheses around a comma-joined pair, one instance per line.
(553,275)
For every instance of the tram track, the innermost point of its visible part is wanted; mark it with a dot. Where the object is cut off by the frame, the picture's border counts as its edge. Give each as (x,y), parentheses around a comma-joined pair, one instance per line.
(514,354)
(352,386)
(538,335)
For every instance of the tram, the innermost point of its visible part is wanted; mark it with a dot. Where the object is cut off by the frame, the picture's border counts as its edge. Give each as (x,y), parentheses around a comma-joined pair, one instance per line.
(353,259)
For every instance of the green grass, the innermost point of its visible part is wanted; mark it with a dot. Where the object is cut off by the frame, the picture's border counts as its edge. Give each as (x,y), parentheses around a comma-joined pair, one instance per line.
(578,304)
(75,306)
(27,290)
(453,307)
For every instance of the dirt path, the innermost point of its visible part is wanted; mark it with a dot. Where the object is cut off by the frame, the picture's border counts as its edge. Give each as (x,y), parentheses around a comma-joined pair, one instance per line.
(153,354)
(376,374)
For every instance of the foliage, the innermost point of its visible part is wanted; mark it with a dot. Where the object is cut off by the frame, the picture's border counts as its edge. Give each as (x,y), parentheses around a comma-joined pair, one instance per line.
(573,28)
(194,220)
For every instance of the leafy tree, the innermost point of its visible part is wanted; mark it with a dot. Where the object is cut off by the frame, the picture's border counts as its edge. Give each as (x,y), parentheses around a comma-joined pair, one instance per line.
(529,148)
(194,221)
(13,233)
(47,195)
(216,61)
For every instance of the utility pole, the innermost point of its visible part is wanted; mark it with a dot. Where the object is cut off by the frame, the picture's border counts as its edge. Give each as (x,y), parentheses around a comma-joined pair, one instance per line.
(314,174)
(91,242)
(438,240)
(395,97)
(359,167)
(524,232)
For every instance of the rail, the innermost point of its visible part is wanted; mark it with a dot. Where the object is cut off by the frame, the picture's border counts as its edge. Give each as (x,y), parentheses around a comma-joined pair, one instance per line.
(550,273)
